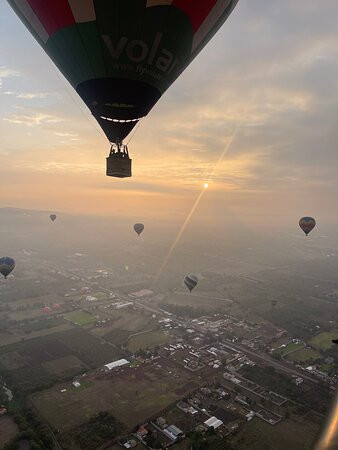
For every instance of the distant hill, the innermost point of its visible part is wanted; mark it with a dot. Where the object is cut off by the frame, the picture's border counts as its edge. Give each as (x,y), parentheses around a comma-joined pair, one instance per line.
(8,210)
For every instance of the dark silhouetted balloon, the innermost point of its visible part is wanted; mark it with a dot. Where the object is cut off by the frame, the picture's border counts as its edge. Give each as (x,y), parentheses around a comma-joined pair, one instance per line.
(52,217)
(6,265)
(122,55)
(138,227)
(307,224)
(190,281)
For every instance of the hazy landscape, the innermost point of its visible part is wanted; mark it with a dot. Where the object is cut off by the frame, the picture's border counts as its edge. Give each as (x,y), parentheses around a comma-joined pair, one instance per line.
(87,291)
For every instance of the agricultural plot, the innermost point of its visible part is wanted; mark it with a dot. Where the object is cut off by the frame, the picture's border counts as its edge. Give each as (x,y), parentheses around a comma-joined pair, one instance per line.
(291,434)
(145,391)
(129,320)
(8,339)
(79,317)
(13,361)
(65,367)
(90,349)
(147,340)
(124,323)
(323,341)
(304,355)
(290,348)
(37,363)
(214,300)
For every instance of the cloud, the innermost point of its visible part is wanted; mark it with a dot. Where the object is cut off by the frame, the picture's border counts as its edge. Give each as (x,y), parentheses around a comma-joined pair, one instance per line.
(33,119)
(31,95)
(6,72)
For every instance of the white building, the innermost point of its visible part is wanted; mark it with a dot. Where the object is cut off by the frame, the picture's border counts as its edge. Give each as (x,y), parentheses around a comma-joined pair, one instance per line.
(118,363)
(213,422)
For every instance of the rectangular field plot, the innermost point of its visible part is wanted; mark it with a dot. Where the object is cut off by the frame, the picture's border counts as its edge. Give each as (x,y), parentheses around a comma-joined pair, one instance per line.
(323,341)
(288,434)
(13,361)
(289,348)
(36,363)
(65,366)
(90,349)
(147,340)
(131,396)
(304,355)
(79,317)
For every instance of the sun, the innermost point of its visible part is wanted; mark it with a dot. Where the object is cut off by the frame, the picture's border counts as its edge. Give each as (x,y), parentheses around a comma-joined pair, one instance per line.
(206,185)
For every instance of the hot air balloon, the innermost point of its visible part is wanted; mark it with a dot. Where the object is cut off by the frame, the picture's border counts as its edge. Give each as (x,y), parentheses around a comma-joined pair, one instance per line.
(7,264)
(138,227)
(52,217)
(121,55)
(190,281)
(307,224)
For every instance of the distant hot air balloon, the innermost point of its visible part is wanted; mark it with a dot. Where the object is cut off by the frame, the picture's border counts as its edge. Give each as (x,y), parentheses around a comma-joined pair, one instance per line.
(190,281)
(52,217)
(7,264)
(121,55)
(307,224)
(138,227)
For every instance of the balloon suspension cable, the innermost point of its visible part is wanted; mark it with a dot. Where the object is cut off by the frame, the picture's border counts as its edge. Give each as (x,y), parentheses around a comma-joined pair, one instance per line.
(69,92)
(134,131)
(193,208)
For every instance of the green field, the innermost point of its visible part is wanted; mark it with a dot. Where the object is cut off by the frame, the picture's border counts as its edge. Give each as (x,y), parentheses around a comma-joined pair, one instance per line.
(147,340)
(287,434)
(79,317)
(323,341)
(303,355)
(143,390)
(290,348)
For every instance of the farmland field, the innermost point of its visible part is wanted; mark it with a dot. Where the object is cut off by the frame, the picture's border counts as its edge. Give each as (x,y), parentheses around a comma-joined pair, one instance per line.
(214,300)
(323,341)
(8,339)
(143,390)
(36,363)
(129,320)
(147,340)
(79,317)
(64,366)
(303,355)
(290,348)
(288,434)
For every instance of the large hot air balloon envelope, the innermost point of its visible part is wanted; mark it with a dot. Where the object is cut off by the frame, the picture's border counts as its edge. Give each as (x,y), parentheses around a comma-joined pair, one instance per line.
(7,264)
(52,217)
(138,227)
(122,55)
(190,281)
(307,224)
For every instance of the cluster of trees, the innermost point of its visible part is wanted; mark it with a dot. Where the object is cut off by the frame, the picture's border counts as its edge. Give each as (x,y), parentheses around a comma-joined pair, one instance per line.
(97,431)
(31,430)
(207,440)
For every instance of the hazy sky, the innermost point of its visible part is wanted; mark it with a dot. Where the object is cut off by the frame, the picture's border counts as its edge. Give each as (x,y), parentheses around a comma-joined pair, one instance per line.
(270,75)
